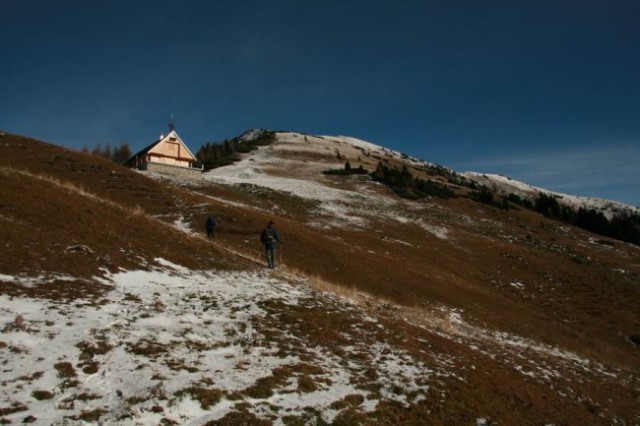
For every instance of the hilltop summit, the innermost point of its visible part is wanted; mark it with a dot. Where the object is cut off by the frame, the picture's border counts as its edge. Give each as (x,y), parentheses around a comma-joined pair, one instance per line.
(308,155)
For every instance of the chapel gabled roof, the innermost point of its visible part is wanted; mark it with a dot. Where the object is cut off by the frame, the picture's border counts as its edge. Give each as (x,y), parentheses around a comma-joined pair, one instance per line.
(171,134)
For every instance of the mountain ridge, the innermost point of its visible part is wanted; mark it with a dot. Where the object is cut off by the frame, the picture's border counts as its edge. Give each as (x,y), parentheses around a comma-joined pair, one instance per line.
(509,185)
(606,217)
(502,183)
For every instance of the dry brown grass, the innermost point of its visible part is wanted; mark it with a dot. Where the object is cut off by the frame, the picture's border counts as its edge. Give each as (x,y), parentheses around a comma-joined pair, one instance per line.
(208,397)
(14,408)
(92,415)
(42,395)
(49,209)
(67,185)
(320,284)
(80,190)
(574,295)
(137,211)
(240,418)
(65,370)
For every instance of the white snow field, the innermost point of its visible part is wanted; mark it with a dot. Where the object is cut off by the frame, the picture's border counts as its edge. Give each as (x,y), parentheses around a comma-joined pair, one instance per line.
(159,340)
(189,347)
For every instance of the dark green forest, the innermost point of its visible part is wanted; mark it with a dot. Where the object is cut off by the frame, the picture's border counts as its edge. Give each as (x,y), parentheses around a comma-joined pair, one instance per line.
(623,226)
(217,154)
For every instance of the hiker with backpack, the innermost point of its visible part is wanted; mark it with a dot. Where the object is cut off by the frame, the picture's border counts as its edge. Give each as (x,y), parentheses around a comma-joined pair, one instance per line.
(210,226)
(270,239)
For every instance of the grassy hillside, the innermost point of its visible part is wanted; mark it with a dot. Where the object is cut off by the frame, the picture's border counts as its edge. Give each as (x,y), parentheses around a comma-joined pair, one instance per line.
(534,321)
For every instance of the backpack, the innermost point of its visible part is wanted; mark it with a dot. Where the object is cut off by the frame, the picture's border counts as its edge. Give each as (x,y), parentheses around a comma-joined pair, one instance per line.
(268,237)
(211,222)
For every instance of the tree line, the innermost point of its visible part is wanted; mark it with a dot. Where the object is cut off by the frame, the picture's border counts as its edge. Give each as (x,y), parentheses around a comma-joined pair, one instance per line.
(622,226)
(347,170)
(404,184)
(118,154)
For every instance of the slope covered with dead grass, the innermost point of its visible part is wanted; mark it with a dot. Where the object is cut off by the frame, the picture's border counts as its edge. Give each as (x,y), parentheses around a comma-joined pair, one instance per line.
(503,314)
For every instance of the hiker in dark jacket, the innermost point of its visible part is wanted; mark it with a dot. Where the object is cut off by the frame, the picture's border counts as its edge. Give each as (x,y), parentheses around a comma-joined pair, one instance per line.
(270,239)
(210,226)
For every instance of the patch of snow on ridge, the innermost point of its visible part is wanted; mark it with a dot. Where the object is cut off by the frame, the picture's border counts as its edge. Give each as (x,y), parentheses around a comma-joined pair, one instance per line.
(250,134)
(249,171)
(357,142)
(342,216)
(438,231)
(168,264)
(506,185)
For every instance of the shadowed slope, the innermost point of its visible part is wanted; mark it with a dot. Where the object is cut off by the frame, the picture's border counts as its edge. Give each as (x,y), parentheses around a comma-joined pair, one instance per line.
(67,212)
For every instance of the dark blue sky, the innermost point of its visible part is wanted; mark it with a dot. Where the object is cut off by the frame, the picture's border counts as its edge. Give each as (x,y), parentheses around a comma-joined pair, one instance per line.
(542,91)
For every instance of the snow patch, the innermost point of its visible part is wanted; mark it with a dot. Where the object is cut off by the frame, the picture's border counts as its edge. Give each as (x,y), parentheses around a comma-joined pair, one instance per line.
(506,185)
(182,225)
(160,332)
(439,232)
(517,284)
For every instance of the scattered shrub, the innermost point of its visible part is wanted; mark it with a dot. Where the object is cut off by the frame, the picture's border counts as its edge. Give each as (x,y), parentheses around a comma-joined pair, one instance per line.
(240,418)
(65,370)
(147,348)
(41,395)
(16,407)
(347,170)
(87,396)
(132,298)
(403,183)
(18,324)
(206,397)
(92,416)
(91,368)
(306,384)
